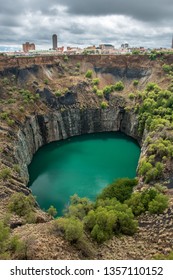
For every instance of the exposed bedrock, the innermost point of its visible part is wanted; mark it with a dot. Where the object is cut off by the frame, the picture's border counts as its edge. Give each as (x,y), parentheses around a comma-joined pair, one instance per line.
(42,129)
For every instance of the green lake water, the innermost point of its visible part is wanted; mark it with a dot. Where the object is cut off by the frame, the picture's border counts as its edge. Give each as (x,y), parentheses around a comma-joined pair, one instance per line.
(81,165)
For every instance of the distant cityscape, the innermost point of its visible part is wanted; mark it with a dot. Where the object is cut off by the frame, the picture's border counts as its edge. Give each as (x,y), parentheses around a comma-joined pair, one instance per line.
(29,49)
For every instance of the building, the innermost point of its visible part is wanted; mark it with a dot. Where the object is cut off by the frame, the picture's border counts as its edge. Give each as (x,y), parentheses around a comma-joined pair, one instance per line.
(28,47)
(106,47)
(125,46)
(54,41)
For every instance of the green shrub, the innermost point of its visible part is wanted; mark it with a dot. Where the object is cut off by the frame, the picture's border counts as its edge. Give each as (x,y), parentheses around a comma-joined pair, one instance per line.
(131,96)
(95,81)
(21,204)
(6,81)
(58,93)
(164,257)
(10,122)
(9,246)
(95,89)
(121,189)
(5,174)
(66,58)
(136,52)
(118,86)
(46,81)
(4,236)
(78,65)
(11,101)
(167,68)
(109,217)
(79,207)
(150,86)
(158,204)
(108,89)
(52,211)
(135,82)
(89,74)
(4,115)
(104,105)
(149,200)
(16,167)
(99,93)
(126,223)
(153,56)
(71,227)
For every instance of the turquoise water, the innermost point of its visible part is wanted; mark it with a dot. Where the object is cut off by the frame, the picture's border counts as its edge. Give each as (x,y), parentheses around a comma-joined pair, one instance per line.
(81,165)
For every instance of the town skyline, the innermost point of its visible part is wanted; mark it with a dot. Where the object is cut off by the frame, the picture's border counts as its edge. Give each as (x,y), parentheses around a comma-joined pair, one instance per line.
(83,23)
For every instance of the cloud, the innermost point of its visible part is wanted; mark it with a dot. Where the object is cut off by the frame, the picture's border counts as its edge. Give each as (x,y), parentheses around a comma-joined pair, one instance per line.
(147,23)
(148,10)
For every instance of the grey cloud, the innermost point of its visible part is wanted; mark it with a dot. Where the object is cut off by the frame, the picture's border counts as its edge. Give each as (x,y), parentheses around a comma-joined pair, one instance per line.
(87,21)
(148,10)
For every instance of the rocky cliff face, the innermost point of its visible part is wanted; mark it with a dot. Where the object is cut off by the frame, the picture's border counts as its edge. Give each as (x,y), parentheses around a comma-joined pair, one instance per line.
(42,129)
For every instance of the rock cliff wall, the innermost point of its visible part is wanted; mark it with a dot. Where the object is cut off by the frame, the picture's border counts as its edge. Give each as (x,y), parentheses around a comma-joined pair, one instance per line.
(42,129)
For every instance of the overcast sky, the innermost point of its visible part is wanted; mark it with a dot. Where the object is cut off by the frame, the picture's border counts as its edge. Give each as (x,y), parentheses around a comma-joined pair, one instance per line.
(146,23)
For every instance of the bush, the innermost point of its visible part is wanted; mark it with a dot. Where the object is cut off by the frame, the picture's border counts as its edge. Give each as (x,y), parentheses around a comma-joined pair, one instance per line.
(119,86)
(66,58)
(95,81)
(58,93)
(99,93)
(21,204)
(16,167)
(167,68)
(9,245)
(78,65)
(108,89)
(135,203)
(4,236)
(109,217)
(158,204)
(4,115)
(135,82)
(89,74)
(10,122)
(126,223)
(52,211)
(104,105)
(95,89)
(5,174)
(79,207)
(131,96)
(71,227)
(164,257)
(135,52)
(121,189)
(149,200)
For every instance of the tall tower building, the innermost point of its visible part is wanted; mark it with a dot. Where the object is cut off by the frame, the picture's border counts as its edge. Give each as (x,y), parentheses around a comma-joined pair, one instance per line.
(54,41)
